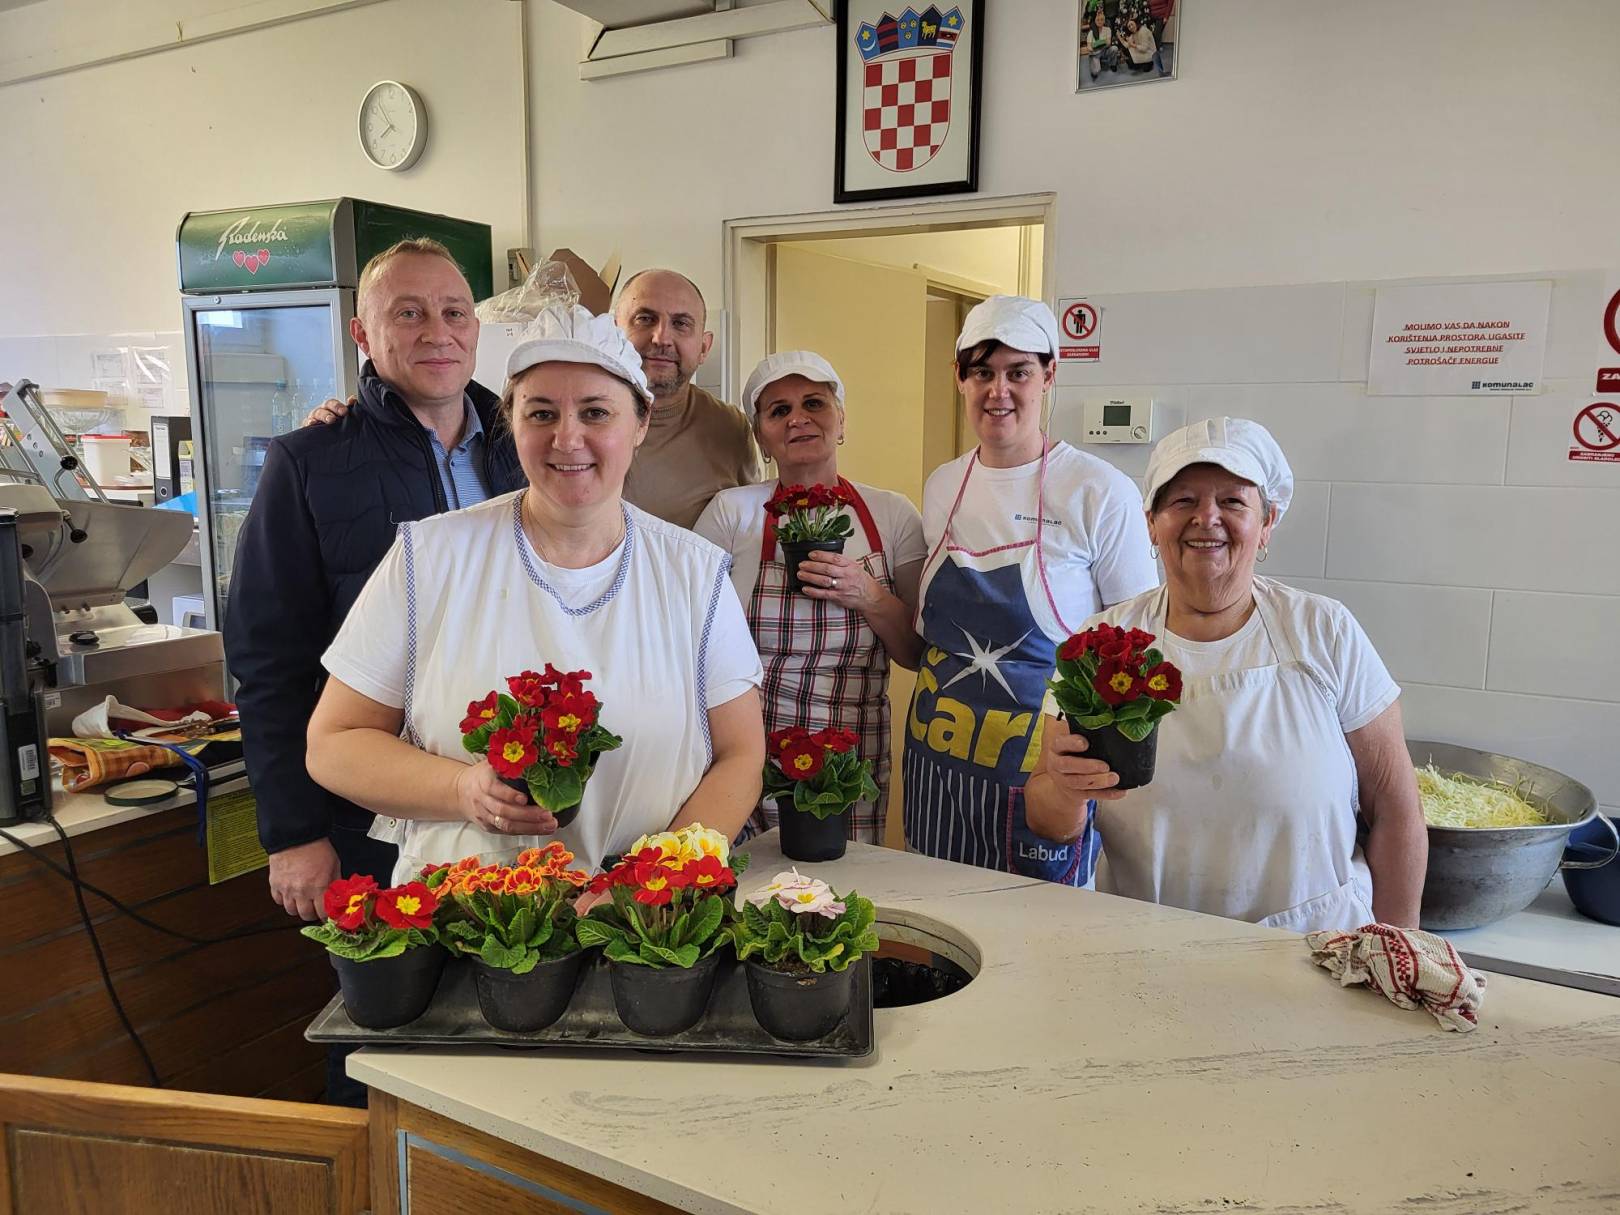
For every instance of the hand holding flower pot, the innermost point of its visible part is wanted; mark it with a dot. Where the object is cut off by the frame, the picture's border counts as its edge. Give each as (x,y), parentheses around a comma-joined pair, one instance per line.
(804,937)
(543,739)
(670,914)
(808,519)
(384,946)
(517,923)
(1114,690)
(815,779)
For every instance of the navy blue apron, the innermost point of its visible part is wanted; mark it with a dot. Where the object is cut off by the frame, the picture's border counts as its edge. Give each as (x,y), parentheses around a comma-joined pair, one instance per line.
(973,732)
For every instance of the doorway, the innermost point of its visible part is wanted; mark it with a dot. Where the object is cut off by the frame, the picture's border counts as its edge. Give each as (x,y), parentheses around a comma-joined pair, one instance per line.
(882,293)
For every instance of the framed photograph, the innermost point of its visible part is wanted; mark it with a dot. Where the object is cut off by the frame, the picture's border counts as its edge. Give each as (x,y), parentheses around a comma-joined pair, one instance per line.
(908,99)
(1127,42)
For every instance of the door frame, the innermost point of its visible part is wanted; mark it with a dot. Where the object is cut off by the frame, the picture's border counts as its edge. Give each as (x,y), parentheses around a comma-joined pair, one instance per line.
(745,242)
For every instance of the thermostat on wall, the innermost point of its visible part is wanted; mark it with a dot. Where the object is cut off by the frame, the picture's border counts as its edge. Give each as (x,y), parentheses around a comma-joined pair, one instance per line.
(1118,419)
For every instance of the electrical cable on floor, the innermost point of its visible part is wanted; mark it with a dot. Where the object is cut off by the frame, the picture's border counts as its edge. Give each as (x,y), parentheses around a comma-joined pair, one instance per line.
(101,958)
(39,857)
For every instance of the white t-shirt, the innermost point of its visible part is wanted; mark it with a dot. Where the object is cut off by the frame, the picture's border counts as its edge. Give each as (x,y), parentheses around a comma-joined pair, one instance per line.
(1322,631)
(462,601)
(735,520)
(1095,539)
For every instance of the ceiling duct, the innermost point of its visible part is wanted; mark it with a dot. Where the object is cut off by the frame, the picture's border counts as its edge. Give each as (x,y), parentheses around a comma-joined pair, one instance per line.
(640,35)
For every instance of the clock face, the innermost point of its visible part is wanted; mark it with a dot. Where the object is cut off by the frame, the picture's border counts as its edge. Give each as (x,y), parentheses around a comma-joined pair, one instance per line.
(393,127)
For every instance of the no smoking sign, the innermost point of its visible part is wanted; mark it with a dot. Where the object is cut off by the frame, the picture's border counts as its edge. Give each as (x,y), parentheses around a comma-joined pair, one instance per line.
(1597,433)
(1079,321)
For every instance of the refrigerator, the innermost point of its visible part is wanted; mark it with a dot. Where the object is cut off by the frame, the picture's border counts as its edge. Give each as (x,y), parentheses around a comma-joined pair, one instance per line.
(268,294)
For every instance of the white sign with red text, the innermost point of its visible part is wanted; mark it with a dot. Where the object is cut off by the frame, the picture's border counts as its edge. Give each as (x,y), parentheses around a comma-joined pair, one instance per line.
(1459,339)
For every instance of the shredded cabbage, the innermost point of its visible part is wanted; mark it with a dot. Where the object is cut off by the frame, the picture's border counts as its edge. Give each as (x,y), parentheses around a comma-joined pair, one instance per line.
(1457,801)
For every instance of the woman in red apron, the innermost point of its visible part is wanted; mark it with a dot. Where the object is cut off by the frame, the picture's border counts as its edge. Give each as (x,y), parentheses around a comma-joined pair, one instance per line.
(1028,536)
(826,652)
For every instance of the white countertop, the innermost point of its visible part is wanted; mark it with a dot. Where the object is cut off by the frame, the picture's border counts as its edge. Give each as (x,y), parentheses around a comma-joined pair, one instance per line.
(1111,1056)
(82,813)
(1549,940)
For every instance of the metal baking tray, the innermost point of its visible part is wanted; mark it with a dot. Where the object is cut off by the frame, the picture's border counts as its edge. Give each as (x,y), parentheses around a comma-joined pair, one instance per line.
(727,1026)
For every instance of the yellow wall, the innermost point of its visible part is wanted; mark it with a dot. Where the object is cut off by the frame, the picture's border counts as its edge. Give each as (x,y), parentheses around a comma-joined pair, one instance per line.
(868,321)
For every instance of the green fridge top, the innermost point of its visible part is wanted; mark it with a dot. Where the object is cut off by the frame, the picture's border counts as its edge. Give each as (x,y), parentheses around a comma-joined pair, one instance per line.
(315,244)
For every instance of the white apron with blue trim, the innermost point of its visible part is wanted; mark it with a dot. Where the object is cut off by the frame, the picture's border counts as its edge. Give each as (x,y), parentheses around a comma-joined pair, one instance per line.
(1251,813)
(480,610)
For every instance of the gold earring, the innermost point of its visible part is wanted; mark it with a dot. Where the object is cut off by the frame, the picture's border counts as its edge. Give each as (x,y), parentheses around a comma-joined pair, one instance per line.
(840,440)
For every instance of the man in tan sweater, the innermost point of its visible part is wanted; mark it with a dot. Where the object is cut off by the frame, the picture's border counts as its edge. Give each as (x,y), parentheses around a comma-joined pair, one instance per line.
(696,444)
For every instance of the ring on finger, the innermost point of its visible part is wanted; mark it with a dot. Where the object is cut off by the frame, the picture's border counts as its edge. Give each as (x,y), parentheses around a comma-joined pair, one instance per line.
(499,826)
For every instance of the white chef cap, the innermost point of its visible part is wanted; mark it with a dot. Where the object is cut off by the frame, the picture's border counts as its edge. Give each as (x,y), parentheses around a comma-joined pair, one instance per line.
(568,333)
(775,367)
(1012,320)
(1243,448)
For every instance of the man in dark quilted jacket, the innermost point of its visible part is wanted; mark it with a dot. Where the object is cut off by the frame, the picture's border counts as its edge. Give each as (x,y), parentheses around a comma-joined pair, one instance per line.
(423,438)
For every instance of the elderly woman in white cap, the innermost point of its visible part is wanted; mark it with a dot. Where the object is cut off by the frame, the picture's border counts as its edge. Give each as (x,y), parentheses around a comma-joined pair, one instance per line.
(1027,538)
(826,652)
(566,572)
(1288,731)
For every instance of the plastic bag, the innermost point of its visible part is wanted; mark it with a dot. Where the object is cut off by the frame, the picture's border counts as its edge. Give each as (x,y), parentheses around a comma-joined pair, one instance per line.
(549,284)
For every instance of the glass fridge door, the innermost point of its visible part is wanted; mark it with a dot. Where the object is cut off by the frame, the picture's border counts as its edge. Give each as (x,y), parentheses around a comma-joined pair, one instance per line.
(259,363)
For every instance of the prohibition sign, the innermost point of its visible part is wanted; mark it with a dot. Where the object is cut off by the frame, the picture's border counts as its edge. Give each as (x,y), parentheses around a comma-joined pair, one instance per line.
(1610,329)
(1080,321)
(1605,420)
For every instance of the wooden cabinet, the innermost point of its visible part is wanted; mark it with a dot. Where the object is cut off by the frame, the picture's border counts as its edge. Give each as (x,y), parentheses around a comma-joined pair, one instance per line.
(70,1148)
(226,1018)
(445,1168)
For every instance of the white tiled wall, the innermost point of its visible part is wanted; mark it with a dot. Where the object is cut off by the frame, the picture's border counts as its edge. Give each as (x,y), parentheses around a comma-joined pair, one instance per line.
(67,361)
(1483,563)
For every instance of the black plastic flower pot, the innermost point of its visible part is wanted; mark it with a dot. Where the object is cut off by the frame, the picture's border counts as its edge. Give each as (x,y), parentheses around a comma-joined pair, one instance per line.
(563,817)
(1133,761)
(387,992)
(795,551)
(798,1008)
(808,838)
(527,1002)
(659,1001)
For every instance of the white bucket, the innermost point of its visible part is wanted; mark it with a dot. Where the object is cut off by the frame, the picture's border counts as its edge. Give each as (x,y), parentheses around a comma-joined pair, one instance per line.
(106,457)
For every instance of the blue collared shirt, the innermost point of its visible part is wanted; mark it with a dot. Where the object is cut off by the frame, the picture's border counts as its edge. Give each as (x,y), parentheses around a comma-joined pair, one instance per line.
(461,469)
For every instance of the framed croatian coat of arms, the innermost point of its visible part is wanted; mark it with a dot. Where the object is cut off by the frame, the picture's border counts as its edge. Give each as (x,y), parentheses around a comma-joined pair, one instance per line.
(908,99)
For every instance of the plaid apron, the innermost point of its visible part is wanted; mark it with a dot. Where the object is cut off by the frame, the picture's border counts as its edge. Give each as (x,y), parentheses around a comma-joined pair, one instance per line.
(824,666)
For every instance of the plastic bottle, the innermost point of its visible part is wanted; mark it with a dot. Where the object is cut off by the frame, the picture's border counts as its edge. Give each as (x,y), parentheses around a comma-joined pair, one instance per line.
(279,409)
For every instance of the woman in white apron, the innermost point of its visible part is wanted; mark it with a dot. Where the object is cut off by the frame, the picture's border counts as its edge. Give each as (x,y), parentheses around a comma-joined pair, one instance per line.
(1027,538)
(825,652)
(563,572)
(1288,732)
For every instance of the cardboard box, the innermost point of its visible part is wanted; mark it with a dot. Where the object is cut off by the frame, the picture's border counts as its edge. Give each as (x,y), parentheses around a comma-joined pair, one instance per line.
(596,287)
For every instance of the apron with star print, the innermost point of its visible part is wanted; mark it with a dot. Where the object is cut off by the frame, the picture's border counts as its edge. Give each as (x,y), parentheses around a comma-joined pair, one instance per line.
(990,627)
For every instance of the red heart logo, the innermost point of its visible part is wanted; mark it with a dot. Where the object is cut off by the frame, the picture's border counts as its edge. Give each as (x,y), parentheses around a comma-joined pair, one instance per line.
(264,257)
(252,261)
(239,257)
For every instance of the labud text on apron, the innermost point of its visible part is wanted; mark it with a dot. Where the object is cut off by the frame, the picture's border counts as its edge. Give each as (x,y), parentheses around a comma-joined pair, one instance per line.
(824,666)
(1251,813)
(973,735)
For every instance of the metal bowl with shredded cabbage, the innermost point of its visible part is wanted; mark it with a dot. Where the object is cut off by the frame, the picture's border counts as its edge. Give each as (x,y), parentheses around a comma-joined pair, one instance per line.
(1455,800)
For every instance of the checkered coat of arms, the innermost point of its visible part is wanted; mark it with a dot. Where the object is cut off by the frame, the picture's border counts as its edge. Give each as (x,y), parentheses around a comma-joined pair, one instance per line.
(906,94)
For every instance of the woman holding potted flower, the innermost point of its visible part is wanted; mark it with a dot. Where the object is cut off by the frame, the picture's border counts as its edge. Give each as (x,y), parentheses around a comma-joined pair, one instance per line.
(564,572)
(1029,537)
(825,645)
(1288,728)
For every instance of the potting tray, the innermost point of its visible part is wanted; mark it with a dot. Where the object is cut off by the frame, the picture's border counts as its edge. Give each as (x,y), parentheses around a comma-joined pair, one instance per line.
(727,1025)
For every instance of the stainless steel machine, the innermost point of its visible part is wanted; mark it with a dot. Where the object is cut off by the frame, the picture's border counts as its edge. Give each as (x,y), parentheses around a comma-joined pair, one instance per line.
(68,639)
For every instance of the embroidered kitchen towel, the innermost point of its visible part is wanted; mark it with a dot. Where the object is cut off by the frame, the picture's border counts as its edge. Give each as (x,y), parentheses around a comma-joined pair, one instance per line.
(1413,969)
